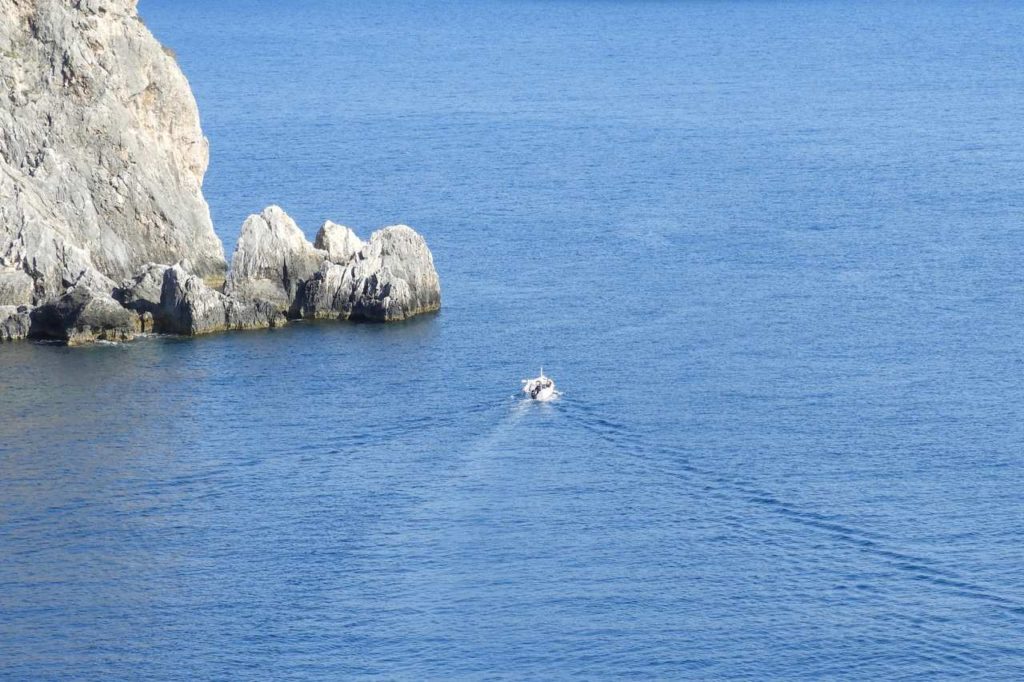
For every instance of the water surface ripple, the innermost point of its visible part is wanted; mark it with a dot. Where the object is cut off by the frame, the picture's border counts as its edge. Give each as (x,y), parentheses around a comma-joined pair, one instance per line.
(770,251)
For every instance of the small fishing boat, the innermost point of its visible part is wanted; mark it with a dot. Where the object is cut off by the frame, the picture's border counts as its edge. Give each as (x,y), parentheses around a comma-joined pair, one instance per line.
(541,388)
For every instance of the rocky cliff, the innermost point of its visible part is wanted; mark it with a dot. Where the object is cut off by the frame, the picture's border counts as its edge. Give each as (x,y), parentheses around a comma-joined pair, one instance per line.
(104,231)
(101,153)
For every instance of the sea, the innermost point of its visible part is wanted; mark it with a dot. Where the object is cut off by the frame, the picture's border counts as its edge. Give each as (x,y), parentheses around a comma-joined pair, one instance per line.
(772,253)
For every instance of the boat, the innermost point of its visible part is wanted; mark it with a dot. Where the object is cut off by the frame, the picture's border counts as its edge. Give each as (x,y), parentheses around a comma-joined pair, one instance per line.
(540,388)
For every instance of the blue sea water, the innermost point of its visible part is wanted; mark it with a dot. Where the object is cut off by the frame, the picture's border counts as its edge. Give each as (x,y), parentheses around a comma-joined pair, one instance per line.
(771,252)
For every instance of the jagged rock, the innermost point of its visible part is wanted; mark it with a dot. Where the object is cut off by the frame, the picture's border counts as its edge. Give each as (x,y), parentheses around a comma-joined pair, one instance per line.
(101,153)
(190,307)
(391,278)
(81,316)
(147,323)
(142,292)
(338,241)
(15,322)
(272,261)
(101,168)
(328,294)
(16,287)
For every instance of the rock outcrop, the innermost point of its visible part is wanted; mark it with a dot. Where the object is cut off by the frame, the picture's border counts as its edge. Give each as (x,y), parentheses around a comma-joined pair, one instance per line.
(143,292)
(188,306)
(16,287)
(101,168)
(82,316)
(169,300)
(338,241)
(391,278)
(15,322)
(272,260)
(101,154)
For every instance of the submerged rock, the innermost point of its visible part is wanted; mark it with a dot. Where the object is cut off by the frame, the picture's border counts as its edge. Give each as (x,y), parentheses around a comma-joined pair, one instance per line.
(338,241)
(272,261)
(101,153)
(189,306)
(81,316)
(15,322)
(391,278)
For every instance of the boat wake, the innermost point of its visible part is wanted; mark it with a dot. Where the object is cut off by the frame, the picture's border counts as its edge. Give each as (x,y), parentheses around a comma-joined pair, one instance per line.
(673,461)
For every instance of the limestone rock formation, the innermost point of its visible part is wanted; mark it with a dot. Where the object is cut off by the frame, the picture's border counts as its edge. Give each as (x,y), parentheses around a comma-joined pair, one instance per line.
(142,293)
(272,260)
(101,154)
(338,241)
(16,287)
(15,322)
(101,168)
(391,278)
(82,316)
(188,306)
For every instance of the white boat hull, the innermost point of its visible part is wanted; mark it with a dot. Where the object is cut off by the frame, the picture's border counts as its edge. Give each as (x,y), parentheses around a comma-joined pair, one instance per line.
(546,394)
(541,389)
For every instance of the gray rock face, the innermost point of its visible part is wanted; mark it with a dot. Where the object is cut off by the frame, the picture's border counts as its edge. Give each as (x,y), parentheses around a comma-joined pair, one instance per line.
(391,278)
(142,293)
(338,241)
(15,322)
(272,260)
(101,167)
(188,306)
(82,316)
(16,287)
(101,154)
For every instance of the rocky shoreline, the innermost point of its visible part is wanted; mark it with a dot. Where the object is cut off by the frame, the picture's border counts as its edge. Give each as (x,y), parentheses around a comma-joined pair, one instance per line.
(104,230)
(276,276)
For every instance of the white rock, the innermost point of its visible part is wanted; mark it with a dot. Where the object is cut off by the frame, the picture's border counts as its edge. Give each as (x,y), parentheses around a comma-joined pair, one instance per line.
(340,242)
(101,153)
(272,261)
(16,287)
(392,278)
(188,306)
(15,322)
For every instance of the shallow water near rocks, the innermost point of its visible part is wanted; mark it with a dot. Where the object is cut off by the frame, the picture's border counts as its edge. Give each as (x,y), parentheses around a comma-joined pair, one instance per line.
(771,253)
